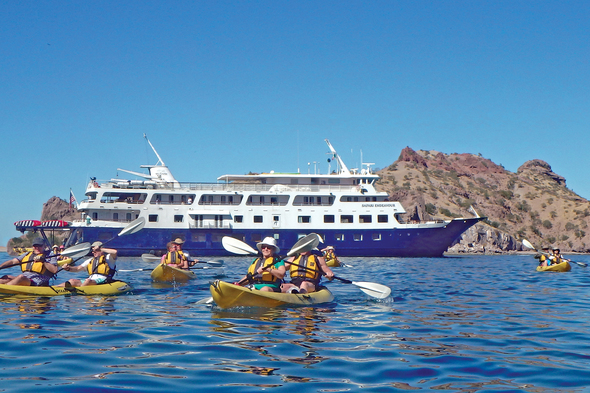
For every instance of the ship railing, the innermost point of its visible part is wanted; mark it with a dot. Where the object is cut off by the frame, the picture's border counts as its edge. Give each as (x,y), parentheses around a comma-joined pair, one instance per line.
(212,225)
(239,187)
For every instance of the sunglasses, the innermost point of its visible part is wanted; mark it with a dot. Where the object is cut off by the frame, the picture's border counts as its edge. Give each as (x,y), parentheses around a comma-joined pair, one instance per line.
(265,246)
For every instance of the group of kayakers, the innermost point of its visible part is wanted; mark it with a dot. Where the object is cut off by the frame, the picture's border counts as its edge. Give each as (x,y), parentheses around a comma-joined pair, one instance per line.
(266,273)
(268,270)
(40,265)
(549,257)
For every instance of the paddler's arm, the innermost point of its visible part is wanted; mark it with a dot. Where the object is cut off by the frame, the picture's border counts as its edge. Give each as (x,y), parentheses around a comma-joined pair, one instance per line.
(10,262)
(111,251)
(276,271)
(325,268)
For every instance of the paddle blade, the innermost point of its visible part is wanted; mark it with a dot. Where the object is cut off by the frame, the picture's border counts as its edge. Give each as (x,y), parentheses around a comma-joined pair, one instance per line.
(373,289)
(305,244)
(77,251)
(134,226)
(216,263)
(527,244)
(150,258)
(236,246)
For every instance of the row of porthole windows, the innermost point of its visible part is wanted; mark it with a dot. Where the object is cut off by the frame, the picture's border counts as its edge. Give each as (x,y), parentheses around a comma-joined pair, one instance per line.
(328,219)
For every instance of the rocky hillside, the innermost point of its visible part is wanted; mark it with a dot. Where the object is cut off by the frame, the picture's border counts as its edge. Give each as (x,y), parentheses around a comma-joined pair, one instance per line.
(54,209)
(533,203)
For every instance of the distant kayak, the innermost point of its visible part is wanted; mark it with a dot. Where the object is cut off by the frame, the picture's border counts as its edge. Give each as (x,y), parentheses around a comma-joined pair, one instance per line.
(228,295)
(112,288)
(167,273)
(333,262)
(560,267)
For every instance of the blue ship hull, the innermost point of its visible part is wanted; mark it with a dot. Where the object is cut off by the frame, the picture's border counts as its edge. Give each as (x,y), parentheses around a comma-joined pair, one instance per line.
(406,242)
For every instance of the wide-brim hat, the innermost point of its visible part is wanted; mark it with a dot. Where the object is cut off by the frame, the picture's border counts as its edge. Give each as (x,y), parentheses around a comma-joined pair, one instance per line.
(268,241)
(178,241)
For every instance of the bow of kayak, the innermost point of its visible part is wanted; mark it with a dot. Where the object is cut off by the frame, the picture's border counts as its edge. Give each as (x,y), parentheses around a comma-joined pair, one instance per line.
(228,295)
(560,267)
(111,288)
(167,273)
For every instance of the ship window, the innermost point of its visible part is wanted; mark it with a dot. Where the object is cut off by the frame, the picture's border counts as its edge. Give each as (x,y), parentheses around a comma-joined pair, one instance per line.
(276,218)
(216,238)
(258,219)
(153,218)
(95,216)
(365,218)
(334,181)
(199,237)
(339,237)
(256,237)
(382,218)
(128,217)
(115,216)
(238,218)
(329,218)
(273,200)
(376,236)
(357,237)
(304,219)
(346,219)
(294,181)
(178,218)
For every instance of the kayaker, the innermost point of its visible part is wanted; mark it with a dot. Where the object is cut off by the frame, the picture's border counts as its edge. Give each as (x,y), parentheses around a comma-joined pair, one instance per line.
(185,255)
(306,270)
(545,257)
(38,267)
(174,257)
(330,256)
(101,267)
(267,271)
(557,257)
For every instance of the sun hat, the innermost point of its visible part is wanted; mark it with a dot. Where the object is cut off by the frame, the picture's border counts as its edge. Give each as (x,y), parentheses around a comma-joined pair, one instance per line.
(97,244)
(268,241)
(178,241)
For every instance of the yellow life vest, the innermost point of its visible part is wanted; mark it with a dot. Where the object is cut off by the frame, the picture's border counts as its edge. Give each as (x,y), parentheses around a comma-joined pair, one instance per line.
(174,258)
(308,261)
(100,266)
(29,265)
(265,277)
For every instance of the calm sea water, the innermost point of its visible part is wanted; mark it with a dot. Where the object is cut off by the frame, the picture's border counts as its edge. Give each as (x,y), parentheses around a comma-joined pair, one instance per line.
(461,324)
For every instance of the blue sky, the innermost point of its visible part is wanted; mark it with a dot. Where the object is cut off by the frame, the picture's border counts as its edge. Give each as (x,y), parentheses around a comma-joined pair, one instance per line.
(236,86)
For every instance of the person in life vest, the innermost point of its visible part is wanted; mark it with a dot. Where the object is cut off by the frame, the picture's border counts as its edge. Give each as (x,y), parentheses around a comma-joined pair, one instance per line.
(178,242)
(174,257)
(38,266)
(101,267)
(558,258)
(330,256)
(267,271)
(545,258)
(306,270)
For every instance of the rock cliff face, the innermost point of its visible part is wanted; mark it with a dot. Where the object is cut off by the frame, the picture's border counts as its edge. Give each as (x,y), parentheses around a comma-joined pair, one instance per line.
(533,203)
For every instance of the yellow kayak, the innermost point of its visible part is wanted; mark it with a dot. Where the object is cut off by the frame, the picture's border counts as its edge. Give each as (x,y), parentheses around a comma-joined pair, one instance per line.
(228,295)
(167,273)
(333,262)
(560,267)
(112,288)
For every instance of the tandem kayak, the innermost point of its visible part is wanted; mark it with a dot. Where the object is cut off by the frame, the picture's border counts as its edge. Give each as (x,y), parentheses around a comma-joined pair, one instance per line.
(167,273)
(560,267)
(111,288)
(228,295)
(333,262)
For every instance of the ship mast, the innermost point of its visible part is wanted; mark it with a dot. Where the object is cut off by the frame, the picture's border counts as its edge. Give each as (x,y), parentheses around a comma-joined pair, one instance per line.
(343,169)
